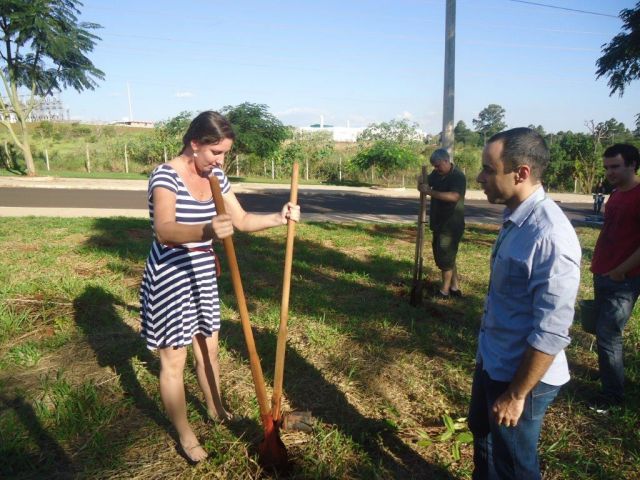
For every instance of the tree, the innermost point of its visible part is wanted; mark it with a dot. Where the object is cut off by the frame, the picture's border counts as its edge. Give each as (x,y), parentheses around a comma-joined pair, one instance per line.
(386,158)
(465,135)
(636,132)
(614,130)
(490,121)
(620,60)
(314,148)
(43,51)
(397,131)
(539,129)
(585,151)
(257,131)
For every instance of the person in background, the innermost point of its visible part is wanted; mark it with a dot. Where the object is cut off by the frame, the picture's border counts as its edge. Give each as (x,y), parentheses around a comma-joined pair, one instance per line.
(179,290)
(598,197)
(446,185)
(534,279)
(616,267)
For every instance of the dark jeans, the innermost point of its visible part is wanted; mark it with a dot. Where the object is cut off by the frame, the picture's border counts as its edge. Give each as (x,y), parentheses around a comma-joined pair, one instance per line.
(614,303)
(501,452)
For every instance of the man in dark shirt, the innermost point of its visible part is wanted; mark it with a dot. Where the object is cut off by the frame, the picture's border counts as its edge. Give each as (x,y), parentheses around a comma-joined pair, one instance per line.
(447,186)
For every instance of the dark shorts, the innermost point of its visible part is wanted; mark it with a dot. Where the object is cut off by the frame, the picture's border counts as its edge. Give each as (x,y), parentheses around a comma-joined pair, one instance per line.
(445,248)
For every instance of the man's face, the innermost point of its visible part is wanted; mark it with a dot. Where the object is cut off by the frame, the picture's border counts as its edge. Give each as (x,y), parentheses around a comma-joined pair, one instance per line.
(618,174)
(498,186)
(442,167)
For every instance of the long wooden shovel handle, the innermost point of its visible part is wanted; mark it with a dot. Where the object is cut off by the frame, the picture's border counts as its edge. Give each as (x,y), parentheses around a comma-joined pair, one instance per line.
(278,378)
(416,290)
(254,360)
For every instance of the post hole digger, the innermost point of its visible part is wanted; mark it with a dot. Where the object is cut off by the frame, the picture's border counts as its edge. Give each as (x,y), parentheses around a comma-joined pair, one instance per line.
(416,287)
(271,451)
(294,420)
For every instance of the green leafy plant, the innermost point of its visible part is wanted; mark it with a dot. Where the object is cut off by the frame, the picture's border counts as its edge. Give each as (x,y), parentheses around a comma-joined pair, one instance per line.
(456,432)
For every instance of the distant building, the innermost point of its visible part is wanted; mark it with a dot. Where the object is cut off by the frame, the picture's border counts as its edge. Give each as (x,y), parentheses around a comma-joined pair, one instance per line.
(49,108)
(135,123)
(346,134)
(338,134)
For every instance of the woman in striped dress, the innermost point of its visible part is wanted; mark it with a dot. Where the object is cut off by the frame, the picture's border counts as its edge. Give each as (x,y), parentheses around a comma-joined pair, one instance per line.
(179,293)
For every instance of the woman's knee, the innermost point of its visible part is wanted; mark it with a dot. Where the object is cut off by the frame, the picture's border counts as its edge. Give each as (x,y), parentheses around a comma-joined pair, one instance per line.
(172,360)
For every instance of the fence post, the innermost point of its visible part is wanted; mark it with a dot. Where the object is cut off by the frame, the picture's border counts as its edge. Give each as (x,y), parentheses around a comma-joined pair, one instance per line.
(237,165)
(306,170)
(165,154)
(273,169)
(46,157)
(87,162)
(126,159)
(340,169)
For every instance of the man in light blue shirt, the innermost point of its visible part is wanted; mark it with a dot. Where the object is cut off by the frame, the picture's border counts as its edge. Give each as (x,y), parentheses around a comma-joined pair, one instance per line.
(535,274)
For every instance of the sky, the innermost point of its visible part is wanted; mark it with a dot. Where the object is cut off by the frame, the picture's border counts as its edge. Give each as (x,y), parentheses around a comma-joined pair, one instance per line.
(355,62)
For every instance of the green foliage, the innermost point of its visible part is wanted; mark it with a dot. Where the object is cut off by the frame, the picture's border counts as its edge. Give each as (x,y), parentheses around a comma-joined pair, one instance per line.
(469,160)
(465,135)
(46,45)
(559,174)
(25,355)
(75,411)
(257,131)
(490,120)
(177,126)
(45,50)
(456,433)
(539,129)
(386,158)
(310,150)
(402,132)
(620,60)
(586,154)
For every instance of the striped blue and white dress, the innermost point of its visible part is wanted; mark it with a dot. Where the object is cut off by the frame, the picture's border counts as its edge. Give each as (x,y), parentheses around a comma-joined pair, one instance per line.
(179,291)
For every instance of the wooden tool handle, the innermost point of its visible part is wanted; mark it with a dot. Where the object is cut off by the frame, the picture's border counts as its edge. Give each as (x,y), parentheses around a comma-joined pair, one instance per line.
(254,360)
(278,378)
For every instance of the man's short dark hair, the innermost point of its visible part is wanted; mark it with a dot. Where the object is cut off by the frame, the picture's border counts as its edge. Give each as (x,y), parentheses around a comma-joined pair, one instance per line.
(523,146)
(629,154)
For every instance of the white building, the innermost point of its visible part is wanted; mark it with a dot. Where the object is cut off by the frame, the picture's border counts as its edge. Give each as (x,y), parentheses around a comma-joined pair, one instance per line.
(338,134)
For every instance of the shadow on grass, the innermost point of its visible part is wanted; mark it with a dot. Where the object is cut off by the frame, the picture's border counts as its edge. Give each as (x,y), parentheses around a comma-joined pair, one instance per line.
(359,295)
(119,347)
(308,390)
(17,460)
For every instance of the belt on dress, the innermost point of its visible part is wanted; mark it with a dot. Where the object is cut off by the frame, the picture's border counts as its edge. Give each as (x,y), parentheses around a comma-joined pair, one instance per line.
(200,249)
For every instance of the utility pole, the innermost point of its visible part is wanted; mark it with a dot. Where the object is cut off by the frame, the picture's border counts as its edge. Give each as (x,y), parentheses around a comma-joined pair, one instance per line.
(129,97)
(447,141)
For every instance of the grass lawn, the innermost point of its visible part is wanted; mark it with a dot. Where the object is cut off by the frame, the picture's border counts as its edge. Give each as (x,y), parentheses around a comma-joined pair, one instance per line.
(388,384)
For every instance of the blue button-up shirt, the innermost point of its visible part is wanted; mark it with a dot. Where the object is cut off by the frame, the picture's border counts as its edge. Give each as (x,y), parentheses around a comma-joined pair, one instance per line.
(532,290)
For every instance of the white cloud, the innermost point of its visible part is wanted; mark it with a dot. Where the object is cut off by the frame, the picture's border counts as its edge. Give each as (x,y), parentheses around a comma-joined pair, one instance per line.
(406,115)
(297,111)
(184,94)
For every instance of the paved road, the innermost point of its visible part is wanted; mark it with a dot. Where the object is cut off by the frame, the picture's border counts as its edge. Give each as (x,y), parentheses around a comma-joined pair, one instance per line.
(318,205)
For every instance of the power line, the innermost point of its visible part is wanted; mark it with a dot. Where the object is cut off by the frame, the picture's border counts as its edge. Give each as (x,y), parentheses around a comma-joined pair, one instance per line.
(564,8)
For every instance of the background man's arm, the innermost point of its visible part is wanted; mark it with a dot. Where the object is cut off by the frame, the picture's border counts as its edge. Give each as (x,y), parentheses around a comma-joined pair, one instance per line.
(619,273)
(444,196)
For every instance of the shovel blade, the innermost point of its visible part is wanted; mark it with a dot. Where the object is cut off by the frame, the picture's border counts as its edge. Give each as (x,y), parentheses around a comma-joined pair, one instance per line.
(272,454)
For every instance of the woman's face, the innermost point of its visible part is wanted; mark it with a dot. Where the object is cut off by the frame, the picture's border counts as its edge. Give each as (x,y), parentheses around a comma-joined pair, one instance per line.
(211,155)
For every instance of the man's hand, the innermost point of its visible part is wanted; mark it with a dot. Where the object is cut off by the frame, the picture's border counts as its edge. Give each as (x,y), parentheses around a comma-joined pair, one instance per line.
(616,275)
(507,409)
(424,188)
